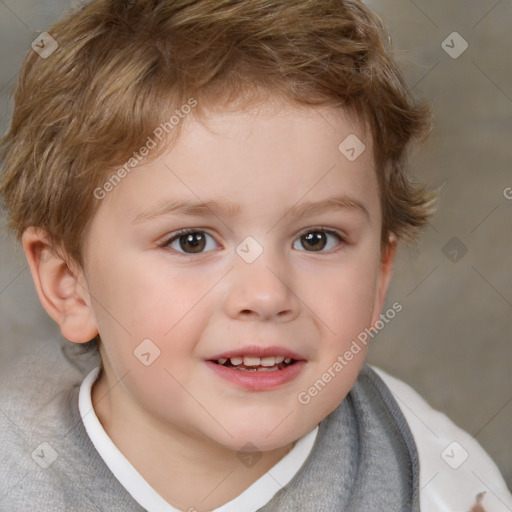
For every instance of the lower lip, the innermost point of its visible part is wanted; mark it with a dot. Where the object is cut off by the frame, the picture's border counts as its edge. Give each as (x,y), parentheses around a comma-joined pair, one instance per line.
(258,381)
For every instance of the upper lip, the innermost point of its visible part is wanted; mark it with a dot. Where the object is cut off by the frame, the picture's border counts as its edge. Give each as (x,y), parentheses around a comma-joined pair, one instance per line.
(258,351)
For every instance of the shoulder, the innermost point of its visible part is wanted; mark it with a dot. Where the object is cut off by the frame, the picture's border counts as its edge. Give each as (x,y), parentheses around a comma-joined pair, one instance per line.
(455,471)
(36,384)
(36,416)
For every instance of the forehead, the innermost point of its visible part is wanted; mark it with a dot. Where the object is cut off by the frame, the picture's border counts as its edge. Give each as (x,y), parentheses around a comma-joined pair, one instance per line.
(269,155)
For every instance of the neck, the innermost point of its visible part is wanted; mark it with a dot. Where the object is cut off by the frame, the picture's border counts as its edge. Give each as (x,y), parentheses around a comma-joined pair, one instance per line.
(189,471)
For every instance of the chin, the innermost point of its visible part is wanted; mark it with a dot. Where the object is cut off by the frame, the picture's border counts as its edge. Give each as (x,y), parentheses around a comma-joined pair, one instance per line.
(260,439)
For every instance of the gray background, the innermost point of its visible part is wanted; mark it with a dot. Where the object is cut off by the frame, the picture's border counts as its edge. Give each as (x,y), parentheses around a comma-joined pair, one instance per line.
(452,341)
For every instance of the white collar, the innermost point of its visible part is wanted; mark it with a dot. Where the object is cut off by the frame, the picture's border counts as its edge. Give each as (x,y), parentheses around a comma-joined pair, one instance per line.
(251,500)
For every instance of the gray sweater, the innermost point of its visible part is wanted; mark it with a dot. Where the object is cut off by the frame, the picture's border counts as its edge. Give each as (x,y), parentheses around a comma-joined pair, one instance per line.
(364,457)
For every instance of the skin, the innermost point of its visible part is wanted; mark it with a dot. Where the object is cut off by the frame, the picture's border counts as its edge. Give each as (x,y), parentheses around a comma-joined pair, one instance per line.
(188,423)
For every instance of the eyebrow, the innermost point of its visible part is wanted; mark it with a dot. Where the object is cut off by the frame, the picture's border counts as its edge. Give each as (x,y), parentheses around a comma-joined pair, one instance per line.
(326,205)
(217,209)
(188,208)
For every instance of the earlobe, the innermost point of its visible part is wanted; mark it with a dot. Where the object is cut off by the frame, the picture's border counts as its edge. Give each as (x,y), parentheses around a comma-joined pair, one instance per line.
(61,289)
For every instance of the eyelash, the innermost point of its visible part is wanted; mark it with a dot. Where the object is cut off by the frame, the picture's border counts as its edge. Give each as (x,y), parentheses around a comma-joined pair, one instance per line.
(341,239)
(176,236)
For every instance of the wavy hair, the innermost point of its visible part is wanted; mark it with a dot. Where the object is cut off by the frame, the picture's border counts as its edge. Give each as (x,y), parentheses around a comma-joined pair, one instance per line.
(122,68)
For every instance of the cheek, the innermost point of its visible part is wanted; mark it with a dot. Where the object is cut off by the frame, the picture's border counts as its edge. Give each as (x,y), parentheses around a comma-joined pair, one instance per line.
(136,303)
(143,300)
(345,298)
(344,311)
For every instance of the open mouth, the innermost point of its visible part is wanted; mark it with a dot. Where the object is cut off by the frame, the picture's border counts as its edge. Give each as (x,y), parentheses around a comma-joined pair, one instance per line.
(256,364)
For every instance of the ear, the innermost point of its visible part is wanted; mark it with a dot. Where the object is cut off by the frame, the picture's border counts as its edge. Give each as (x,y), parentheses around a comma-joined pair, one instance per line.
(384,277)
(61,287)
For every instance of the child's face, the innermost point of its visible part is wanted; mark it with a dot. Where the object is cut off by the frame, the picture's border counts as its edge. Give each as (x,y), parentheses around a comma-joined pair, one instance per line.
(274,182)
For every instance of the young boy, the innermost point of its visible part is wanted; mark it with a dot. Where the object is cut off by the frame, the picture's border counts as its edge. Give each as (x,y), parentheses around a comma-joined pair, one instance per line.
(213,192)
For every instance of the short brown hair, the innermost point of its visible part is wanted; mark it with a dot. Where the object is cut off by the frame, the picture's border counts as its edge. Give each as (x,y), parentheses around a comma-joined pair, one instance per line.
(123,67)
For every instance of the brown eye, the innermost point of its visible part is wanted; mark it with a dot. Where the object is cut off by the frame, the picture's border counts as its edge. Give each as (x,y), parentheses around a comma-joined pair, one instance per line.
(319,240)
(192,242)
(314,241)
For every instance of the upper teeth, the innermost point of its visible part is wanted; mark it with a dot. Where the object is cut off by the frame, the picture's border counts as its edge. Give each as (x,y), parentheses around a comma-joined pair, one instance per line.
(255,361)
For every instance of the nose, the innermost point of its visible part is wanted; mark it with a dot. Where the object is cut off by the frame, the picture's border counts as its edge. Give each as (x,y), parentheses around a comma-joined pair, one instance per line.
(262,290)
